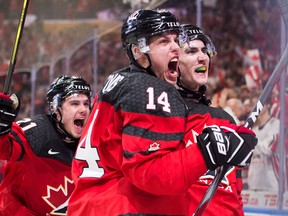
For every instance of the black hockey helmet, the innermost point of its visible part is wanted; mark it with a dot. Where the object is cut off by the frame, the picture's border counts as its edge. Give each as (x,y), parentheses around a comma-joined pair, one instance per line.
(190,32)
(65,86)
(141,25)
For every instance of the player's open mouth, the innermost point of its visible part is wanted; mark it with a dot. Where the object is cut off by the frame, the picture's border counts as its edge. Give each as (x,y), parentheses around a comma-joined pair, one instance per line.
(79,123)
(201,69)
(173,66)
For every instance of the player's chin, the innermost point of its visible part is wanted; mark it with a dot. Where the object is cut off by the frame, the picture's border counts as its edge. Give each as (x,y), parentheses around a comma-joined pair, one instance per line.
(201,79)
(171,77)
(77,133)
(171,81)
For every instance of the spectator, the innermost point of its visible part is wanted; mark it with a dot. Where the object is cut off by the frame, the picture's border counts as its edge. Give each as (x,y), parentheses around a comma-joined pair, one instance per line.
(236,109)
(262,173)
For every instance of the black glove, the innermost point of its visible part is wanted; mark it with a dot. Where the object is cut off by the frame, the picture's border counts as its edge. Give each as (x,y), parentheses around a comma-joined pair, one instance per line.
(231,144)
(214,145)
(9,107)
(242,144)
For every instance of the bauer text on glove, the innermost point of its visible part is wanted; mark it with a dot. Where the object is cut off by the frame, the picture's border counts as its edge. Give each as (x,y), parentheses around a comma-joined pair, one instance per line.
(214,145)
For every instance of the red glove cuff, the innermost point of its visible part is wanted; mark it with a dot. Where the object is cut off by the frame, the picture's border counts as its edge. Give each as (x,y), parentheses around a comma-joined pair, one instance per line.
(4,96)
(238,129)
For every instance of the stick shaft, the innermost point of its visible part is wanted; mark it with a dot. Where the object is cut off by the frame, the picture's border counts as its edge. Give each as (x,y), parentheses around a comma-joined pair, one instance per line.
(273,80)
(13,58)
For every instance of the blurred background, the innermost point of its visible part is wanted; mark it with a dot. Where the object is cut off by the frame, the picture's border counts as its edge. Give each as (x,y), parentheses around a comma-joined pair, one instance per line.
(82,37)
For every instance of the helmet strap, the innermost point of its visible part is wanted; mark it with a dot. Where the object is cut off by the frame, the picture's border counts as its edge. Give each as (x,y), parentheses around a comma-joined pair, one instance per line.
(148,69)
(136,55)
(197,96)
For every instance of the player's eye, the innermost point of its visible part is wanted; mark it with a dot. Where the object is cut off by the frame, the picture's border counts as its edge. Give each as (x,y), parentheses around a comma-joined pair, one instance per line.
(87,104)
(192,50)
(163,40)
(176,40)
(74,103)
(204,50)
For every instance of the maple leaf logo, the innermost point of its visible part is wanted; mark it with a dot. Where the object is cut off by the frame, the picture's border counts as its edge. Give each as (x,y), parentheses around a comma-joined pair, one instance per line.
(255,58)
(58,197)
(154,146)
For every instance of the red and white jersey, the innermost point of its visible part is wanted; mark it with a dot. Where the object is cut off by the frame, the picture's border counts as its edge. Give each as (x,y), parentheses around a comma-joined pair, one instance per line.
(126,162)
(201,116)
(262,174)
(37,176)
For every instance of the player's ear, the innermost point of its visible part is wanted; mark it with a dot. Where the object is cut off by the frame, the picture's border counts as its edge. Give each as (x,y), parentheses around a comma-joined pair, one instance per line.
(136,52)
(58,114)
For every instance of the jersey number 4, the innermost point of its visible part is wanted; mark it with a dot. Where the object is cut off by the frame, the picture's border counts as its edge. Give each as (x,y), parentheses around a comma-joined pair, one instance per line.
(89,154)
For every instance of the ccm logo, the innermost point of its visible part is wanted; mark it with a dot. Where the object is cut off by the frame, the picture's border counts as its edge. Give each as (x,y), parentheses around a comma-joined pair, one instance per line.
(220,139)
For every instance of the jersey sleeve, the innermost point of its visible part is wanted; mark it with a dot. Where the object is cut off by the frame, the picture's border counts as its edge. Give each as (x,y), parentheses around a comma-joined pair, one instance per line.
(12,144)
(239,183)
(11,192)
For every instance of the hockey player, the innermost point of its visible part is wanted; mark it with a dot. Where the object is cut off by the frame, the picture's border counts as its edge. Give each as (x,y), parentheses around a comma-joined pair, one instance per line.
(131,159)
(39,151)
(194,63)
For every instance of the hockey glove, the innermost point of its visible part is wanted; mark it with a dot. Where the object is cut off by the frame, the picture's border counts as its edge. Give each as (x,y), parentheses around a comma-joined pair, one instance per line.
(242,143)
(214,145)
(9,107)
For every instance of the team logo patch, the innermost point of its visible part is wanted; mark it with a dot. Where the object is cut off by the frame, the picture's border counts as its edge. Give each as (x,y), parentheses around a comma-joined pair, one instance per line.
(154,146)
(57,197)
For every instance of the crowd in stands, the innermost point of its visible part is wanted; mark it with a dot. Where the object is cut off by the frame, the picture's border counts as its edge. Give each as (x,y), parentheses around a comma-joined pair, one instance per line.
(234,28)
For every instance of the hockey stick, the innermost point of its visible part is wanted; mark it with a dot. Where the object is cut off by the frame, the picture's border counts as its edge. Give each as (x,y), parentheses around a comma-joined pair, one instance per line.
(13,58)
(273,80)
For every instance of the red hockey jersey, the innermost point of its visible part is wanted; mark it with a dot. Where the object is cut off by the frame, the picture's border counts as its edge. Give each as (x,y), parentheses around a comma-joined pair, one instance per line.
(130,160)
(227,199)
(37,175)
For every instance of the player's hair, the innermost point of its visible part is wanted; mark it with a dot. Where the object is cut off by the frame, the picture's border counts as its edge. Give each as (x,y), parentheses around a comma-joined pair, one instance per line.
(190,32)
(141,25)
(64,86)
